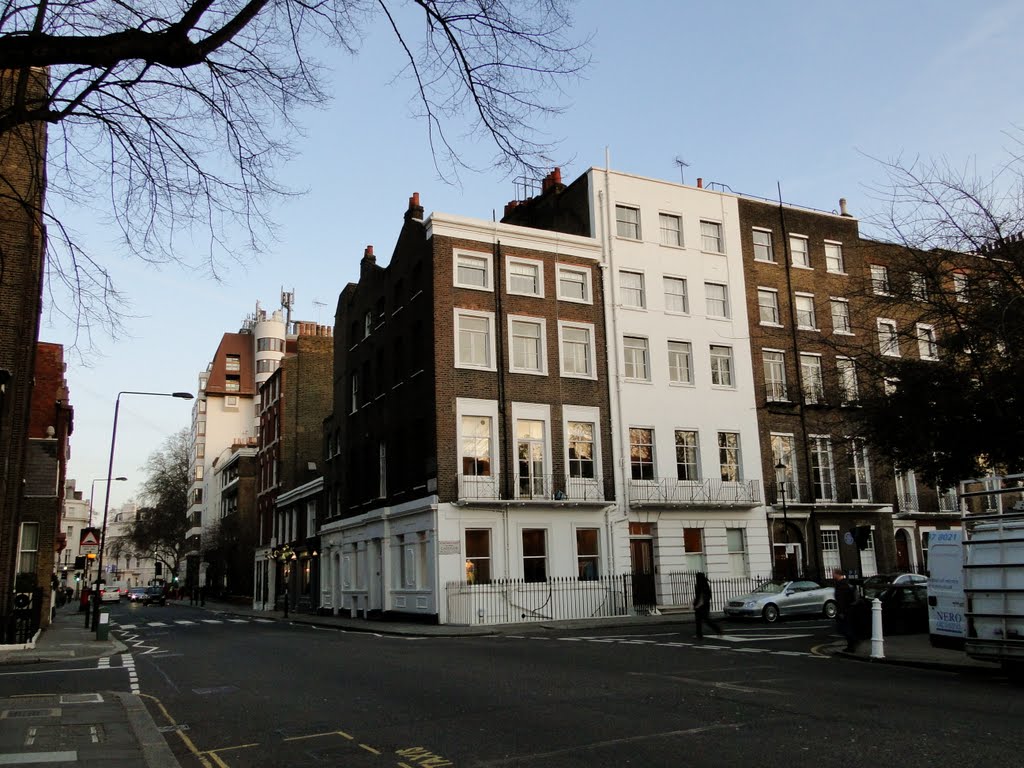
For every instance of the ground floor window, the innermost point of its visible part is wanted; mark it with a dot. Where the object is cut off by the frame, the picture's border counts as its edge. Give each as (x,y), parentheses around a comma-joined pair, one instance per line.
(736,541)
(535,556)
(830,552)
(587,556)
(478,555)
(693,547)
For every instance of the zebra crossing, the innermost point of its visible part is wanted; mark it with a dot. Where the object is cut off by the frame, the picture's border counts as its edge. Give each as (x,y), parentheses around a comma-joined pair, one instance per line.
(185,623)
(728,646)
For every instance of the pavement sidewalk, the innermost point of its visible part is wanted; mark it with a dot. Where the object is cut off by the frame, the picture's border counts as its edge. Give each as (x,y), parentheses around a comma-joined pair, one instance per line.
(105,729)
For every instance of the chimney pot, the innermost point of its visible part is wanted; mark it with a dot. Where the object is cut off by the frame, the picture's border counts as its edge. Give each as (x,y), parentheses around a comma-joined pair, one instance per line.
(842,207)
(700,183)
(414,201)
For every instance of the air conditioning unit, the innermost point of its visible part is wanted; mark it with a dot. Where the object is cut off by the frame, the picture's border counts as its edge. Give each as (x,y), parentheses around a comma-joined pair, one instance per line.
(22,601)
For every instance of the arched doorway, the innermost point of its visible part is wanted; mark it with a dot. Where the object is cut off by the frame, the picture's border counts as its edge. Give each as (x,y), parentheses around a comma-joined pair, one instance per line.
(902,550)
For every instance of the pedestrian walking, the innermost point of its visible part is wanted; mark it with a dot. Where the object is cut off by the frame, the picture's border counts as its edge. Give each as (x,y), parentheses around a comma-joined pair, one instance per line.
(845,598)
(702,606)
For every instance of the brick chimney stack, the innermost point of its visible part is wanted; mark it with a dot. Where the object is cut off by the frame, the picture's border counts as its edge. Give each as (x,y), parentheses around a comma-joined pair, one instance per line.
(415,210)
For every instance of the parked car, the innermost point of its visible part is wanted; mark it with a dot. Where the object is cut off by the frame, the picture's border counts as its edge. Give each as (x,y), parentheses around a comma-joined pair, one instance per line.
(136,594)
(777,598)
(904,610)
(154,595)
(873,586)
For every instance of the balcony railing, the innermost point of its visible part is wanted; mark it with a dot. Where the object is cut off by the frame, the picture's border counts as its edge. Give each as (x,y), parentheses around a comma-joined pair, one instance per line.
(775,392)
(672,492)
(530,488)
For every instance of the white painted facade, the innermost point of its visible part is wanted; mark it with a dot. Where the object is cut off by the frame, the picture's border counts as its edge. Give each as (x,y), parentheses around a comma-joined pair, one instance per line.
(645,267)
(74,519)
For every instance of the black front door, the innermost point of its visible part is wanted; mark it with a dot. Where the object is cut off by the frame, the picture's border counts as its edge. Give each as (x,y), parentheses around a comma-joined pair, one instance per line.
(642,555)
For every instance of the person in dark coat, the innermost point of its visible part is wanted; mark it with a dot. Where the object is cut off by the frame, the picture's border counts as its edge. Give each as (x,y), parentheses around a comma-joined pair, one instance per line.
(845,598)
(702,605)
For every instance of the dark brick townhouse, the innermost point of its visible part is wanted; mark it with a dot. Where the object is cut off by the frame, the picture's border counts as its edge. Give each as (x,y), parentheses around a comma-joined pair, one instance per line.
(470,396)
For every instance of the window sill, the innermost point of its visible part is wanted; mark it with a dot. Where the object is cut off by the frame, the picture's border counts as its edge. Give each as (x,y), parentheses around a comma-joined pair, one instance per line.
(772,325)
(802,266)
(527,372)
(583,376)
(766,261)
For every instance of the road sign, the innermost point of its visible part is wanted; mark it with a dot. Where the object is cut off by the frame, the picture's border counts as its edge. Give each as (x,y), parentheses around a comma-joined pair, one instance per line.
(89,543)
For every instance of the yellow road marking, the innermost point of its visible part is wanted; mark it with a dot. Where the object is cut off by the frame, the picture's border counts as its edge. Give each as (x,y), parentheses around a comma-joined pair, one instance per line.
(220,763)
(815,649)
(181,734)
(321,735)
(368,748)
(228,749)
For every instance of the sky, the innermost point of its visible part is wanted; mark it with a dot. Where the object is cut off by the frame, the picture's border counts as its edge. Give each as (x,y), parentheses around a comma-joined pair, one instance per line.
(804,95)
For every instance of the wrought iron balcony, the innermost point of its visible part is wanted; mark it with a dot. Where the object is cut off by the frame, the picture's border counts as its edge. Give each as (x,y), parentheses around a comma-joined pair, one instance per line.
(694,493)
(530,488)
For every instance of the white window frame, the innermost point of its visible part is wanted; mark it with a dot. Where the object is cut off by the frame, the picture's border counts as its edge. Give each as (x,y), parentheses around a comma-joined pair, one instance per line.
(486,258)
(762,247)
(715,239)
(545,557)
(654,454)
(880,280)
(805,263)
(830,557)
(587,415)
(24,548)
(541,324)
(723,450)
(772,295)
(695,560)
(581,558)
(806,310)
(775,387)
(846,373)
(695,448)
(832,248)
(723,301)
(585,273)
(629,358)
(868,560)
(783,445)
(927,344)
(739,562)
(717,370)
(835,302)
(491,364)
(674,355)
(591,373)
(625,274)
(889,346)
(813,378)
(534,264)
(684,294)
(621,222)
(961,285)
(918,286)
(860,469)
(678,239)
(823,468)
(533,412)
(466,407)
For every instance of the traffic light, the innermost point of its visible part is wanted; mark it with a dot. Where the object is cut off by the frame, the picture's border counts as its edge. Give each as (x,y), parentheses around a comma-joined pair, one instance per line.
(861,535)
(91,556)
(78,577)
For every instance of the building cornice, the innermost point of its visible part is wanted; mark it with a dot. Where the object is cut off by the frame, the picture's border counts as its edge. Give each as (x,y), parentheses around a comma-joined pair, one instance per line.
(464,228)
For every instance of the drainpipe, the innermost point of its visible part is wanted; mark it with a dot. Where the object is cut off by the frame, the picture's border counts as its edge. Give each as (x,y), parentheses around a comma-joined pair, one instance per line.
(619,446)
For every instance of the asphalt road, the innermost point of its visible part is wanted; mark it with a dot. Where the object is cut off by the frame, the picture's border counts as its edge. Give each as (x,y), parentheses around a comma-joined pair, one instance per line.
(236,692)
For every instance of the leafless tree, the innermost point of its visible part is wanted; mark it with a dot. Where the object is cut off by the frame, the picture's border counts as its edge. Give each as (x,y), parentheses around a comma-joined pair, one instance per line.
(174,117)
(953,289)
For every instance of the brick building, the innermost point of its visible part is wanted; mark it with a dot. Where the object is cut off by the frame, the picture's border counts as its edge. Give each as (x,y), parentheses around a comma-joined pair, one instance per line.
(293,403)
(470,437)
(22,247)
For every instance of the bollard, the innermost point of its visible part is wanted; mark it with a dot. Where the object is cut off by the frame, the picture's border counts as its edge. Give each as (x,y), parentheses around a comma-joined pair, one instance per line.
(103,627)
(877,641)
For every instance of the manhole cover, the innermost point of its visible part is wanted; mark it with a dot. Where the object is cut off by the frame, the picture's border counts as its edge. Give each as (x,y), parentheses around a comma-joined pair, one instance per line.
(81,698)
(10,714)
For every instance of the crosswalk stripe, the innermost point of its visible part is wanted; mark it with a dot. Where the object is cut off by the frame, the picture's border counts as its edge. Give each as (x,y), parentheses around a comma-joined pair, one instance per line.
(184,621)
(212,621)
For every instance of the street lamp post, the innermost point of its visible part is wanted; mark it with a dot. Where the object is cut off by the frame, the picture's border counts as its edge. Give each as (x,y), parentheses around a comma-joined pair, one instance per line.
(285,555)
(106,501)
(86,576)
(780,480)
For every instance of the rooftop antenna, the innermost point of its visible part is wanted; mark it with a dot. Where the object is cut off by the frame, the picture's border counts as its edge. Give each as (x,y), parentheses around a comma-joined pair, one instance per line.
(287,301)
(317,303)
(682,165)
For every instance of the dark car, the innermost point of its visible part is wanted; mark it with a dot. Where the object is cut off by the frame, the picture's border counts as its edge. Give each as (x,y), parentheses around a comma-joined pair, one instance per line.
(873,586)
(136,594)
(154,595)
(904,610)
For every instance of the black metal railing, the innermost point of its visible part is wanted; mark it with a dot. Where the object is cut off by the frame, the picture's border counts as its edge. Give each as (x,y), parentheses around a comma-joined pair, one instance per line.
(530,488)
(510,601)
(694,492)
(681,588)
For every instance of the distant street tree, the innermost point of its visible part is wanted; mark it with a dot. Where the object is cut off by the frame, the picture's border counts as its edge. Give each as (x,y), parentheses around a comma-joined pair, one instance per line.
(176,115)
(958,276)
(162,522)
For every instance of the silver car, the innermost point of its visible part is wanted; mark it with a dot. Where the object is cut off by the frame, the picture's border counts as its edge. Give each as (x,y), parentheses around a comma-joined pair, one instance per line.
(777,598)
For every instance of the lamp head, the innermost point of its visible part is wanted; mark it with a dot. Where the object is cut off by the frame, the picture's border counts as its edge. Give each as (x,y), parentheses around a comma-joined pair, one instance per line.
(182,395)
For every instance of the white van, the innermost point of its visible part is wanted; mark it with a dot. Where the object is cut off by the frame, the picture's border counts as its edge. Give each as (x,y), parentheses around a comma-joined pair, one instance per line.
(946,603)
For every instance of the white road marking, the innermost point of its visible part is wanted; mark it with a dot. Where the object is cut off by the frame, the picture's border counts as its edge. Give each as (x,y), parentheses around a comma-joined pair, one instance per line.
(24,758)
(212,621)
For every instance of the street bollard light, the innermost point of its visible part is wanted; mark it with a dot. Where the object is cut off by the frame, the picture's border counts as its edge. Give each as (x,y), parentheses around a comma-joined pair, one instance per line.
(285,555)
(106,501)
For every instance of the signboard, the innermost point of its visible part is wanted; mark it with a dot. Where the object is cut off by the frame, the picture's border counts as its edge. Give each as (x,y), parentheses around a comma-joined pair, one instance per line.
(89,543)
(449,547)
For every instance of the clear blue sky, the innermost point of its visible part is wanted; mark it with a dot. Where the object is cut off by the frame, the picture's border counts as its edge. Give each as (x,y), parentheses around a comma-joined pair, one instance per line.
(749,94)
